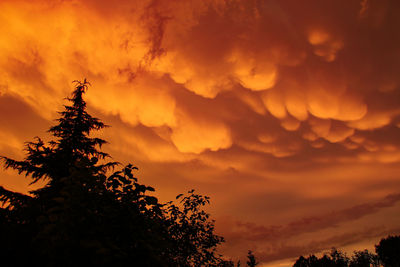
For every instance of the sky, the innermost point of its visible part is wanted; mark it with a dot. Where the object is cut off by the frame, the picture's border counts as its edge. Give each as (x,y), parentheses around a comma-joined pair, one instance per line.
(286,113)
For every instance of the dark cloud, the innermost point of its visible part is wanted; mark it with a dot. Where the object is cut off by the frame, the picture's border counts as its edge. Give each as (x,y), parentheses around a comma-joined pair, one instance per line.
(254,232)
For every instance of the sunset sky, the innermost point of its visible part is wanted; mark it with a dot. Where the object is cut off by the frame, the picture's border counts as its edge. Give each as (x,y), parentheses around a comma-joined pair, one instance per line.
(285,112)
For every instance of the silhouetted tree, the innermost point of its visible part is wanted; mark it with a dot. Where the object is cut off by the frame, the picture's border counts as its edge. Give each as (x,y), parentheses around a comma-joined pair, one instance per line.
(339,258)
(193,232)
(84,216)
(363,259)
(334,259)
(388,255)
(310,261)
(251,262)
(388,251)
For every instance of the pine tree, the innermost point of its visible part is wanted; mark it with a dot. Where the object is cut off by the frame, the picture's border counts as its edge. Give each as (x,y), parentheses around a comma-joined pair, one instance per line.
(83,216)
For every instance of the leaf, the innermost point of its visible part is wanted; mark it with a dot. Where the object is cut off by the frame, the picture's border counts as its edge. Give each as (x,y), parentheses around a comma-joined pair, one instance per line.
(149,188)
(151,200)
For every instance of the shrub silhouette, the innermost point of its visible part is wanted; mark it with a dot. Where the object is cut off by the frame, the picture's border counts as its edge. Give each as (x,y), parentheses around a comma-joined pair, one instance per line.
(86,216)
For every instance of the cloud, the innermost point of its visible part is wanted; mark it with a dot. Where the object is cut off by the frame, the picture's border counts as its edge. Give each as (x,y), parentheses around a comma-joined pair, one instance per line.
(145,100)
(190,137)
(251,231)
(145,51)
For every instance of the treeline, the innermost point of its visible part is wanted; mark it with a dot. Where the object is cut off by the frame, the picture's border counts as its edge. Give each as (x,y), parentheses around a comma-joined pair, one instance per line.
(387,255)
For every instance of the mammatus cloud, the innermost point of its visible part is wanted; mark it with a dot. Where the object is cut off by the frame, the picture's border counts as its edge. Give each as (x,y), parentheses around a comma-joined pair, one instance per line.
(146,51)
(277,95)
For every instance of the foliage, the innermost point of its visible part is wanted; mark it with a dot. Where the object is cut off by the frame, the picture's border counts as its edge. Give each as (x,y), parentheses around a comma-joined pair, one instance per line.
(387,255)
(363,259)
(339,258)
(388,251)
(250,262)
(193,230)
(86,216)
(306,262)
(335,258)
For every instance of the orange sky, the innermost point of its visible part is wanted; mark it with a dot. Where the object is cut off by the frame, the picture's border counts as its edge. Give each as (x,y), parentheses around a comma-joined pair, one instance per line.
(286,113)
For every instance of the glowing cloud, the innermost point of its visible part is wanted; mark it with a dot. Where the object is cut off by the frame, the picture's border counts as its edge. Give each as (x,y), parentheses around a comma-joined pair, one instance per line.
(195,136)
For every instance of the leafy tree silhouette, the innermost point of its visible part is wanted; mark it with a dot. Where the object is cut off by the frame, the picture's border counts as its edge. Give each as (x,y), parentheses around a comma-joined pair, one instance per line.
(388,255)
(306,262)
(339,258)
(388,251)
(363,259)
(83,216)
(335,259)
